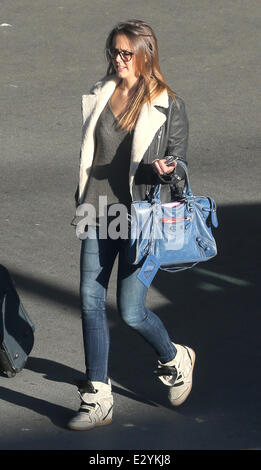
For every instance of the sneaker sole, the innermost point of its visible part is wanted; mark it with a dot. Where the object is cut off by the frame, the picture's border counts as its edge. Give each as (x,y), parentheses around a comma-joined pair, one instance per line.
(82,428)
(181,400)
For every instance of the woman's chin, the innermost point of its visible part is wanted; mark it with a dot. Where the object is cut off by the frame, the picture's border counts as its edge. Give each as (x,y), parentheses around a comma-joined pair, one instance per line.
(121,73)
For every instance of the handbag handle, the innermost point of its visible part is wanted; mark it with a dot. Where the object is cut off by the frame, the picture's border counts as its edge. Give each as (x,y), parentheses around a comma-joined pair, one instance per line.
(187,191)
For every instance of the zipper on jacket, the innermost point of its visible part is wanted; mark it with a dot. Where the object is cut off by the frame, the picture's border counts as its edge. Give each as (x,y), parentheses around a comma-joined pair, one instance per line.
(159,137)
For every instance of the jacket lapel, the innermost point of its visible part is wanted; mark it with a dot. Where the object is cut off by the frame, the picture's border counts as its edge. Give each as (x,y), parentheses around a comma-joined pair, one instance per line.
(92,107)
(148,123)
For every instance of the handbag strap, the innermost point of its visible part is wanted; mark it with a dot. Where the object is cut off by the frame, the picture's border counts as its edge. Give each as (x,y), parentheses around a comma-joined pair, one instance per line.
(175,269)
(187,191)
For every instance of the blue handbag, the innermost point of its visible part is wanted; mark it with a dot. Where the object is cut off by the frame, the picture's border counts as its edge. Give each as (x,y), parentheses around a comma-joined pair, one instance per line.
(172,236)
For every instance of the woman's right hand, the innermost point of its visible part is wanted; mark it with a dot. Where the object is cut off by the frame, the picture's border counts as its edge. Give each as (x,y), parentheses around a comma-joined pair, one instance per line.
(161,168)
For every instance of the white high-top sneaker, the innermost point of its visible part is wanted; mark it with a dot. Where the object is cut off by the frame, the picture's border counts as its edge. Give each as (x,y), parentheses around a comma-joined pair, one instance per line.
(177,374)
(96,406)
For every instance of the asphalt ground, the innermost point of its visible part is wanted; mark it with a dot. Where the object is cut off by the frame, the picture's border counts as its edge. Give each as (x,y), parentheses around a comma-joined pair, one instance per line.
(51,54)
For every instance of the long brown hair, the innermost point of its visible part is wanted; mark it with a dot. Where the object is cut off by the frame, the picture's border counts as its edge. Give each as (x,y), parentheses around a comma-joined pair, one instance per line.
(151,82)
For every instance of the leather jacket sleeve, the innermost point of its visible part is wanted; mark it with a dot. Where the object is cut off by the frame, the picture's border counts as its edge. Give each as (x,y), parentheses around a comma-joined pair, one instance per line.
(177,135)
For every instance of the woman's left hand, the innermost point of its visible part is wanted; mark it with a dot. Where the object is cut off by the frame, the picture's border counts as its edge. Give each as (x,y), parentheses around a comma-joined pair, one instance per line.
(163,169)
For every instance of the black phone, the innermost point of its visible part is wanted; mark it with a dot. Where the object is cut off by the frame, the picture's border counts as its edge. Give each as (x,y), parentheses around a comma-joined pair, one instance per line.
(169,159)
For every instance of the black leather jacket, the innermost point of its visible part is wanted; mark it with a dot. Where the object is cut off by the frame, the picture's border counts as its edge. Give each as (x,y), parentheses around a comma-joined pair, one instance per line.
(170,139)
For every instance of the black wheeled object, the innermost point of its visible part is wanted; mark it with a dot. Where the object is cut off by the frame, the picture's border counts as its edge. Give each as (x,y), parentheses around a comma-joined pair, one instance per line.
(16,328)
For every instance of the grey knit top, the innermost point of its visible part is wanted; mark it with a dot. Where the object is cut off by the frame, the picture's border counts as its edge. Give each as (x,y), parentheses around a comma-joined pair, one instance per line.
(110,171)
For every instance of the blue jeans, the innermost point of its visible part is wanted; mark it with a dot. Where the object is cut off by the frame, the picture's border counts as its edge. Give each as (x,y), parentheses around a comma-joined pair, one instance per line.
(97,259)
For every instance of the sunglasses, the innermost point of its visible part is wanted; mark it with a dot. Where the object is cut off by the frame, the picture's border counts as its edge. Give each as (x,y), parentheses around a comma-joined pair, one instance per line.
(126,56)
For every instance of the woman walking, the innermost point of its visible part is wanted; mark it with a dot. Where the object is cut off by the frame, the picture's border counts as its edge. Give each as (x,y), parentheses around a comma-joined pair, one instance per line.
(131,121)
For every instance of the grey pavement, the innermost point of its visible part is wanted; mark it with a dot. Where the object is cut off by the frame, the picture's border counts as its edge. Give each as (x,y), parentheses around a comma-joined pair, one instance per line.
(51,53)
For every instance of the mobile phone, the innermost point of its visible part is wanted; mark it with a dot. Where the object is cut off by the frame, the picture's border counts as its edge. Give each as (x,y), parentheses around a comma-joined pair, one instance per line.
(169,159)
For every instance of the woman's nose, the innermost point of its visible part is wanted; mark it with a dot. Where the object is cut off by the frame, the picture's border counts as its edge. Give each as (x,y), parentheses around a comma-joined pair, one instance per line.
(118,58)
